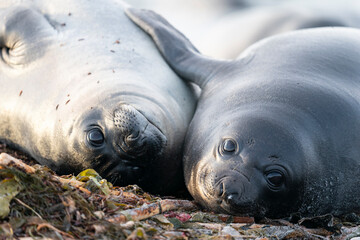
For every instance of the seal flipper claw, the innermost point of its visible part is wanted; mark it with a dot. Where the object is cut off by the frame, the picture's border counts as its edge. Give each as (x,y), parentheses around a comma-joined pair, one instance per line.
(177,50)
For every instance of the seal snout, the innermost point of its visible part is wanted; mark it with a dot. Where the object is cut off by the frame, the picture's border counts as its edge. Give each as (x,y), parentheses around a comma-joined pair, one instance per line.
(229,190)
(136,135)
(231,194)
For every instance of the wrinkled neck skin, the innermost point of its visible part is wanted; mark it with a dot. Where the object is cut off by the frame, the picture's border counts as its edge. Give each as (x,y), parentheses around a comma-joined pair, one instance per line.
(94,69)
(265,139)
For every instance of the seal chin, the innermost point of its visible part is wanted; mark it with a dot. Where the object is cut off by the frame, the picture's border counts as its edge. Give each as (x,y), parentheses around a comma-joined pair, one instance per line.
(242,208)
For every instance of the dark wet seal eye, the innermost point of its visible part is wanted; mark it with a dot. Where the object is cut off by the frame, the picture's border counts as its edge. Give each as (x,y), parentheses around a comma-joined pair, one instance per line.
(229,146)
(275,178)
(95,137)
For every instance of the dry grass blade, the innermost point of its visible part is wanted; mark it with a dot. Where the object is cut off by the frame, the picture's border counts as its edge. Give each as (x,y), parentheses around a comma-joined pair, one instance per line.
(28,207)
(48,225)
(7,160)
(149,210)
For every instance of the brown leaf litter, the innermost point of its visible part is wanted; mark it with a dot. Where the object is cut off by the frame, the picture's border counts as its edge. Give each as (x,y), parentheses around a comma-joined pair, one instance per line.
(36,203)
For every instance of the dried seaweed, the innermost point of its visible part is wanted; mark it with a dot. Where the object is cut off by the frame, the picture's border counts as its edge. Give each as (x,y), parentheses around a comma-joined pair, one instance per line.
(44,205)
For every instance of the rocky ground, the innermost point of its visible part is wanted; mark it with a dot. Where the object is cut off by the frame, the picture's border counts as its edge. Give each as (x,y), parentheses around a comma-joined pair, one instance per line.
(35,203)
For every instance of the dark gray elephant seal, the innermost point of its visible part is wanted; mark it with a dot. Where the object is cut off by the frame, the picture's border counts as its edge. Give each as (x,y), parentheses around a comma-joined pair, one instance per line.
(83,87)
(276,131)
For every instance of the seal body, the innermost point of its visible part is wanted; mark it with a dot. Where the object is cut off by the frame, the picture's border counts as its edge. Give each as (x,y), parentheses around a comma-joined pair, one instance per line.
(84,87)
(275,131)
(232,33)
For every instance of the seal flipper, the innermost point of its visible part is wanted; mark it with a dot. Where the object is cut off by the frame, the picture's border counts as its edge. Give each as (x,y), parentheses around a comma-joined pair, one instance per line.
(177,50)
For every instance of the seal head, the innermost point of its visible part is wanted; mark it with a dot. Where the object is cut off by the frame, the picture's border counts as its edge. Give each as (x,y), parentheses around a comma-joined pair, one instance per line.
(122,149)
(252,168)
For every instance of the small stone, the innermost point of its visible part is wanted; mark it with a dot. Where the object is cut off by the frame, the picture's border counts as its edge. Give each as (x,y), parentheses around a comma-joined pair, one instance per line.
(128,225)
(99,214)
(137,234)
(229,230)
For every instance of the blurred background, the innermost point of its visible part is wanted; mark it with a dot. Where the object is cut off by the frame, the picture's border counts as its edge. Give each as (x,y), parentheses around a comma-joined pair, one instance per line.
(224,28)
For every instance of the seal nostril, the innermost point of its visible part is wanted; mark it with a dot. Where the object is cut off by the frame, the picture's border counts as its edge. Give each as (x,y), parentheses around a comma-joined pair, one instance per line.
(133,136)
(133,139)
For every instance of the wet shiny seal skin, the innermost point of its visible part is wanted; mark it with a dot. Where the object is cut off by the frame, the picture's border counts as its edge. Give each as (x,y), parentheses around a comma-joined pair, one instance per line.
(83,87)
(275,131)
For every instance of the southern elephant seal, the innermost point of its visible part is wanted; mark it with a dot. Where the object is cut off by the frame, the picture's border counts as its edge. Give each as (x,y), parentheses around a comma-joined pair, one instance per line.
(232,33)
(276,131)
(83,87)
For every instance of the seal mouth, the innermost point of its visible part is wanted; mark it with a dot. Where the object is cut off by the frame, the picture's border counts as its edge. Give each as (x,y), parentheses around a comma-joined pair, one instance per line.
(120,171)
(123,152)
(246,208)
(125,173)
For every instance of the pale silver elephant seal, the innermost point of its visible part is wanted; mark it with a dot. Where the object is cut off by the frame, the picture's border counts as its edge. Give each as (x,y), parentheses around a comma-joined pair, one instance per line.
(232,33)
(83,87)
(276,131)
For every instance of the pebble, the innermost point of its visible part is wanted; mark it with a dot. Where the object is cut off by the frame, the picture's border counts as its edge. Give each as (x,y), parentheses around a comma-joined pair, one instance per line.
(231,231)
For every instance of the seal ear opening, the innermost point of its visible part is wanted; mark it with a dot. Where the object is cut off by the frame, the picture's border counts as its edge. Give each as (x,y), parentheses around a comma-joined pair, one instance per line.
(177,50)
(24,35)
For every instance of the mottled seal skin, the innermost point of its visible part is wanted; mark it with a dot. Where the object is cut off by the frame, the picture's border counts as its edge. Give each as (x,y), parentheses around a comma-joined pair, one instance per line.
(276,131)
(83,87)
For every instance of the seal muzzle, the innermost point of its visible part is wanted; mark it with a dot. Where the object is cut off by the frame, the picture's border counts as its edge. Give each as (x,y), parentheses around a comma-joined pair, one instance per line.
(138,137)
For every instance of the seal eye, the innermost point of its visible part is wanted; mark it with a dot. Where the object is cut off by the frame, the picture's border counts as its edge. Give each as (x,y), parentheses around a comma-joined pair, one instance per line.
(275,179)
(229,146)
(95,137)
